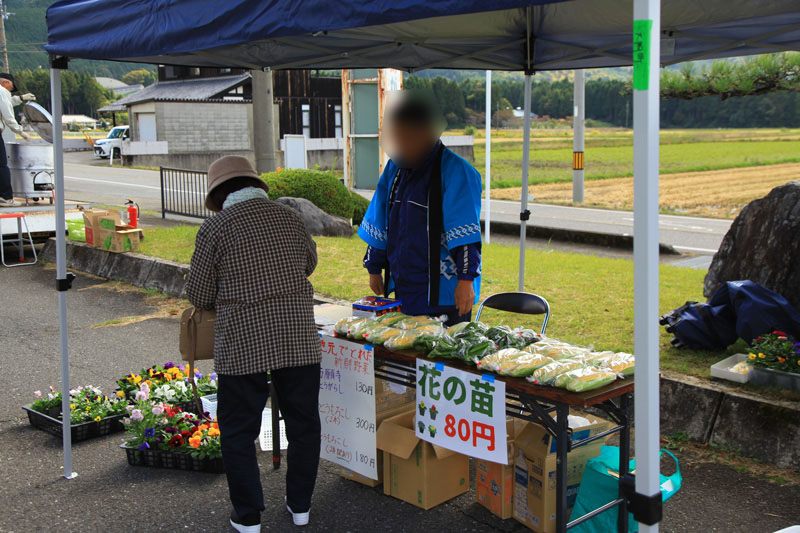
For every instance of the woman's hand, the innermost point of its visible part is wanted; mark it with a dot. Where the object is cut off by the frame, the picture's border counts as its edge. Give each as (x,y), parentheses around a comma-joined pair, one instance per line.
(376,284)
(464,296)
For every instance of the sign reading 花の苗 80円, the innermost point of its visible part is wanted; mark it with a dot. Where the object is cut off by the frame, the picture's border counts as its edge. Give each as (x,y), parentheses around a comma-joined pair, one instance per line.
(461,411)
(347,405)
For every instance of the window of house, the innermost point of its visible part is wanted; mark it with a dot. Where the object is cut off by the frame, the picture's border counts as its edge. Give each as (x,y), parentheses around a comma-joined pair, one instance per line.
(337,121)
(306,108)
(169,72)
(194,71)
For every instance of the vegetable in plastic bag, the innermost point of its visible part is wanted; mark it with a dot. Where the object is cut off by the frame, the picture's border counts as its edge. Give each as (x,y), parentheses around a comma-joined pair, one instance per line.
(416,321)
(426,343)
(527,336)
(343,324)
(389,319)
(404,341)
(588,378)
(436,330)
(381,334)
(504,337)
(355,329)
(621,363)
(479,350)
(494,360)
(523,366)
(467,327)
(449,347)
(549,372)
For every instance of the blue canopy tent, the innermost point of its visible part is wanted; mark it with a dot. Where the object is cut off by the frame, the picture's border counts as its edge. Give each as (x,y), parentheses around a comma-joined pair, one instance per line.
(464,34)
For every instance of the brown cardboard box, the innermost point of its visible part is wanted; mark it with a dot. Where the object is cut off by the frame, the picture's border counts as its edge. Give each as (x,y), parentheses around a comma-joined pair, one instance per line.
(91,219)
(535,472)
(494,482)
(416,471)
(386,399)
(380,416)
(119,238)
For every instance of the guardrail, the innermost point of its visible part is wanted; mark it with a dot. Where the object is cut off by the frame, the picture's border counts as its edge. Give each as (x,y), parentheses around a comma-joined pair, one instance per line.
(183,193)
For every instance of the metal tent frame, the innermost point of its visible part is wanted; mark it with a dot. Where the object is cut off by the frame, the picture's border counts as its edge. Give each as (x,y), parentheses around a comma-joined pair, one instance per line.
(413,35)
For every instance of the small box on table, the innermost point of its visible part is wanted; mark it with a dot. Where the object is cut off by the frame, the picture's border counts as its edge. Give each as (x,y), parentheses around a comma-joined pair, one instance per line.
(374,306)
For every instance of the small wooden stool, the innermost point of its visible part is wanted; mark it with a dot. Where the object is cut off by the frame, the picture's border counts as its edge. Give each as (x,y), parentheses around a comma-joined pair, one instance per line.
(19,241)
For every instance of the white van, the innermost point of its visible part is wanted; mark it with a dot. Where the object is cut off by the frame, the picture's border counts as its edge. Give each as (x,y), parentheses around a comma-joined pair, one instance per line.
(112,144)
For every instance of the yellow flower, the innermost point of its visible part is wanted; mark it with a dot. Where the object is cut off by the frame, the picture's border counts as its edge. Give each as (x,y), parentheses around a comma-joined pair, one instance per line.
(97,419)
(179,376)
(761,356)
(198,435)
(752,356)
(121,394)
(149,383)
(167,377)
(137,379)
(72,406)
(194,442)
(213,432)
(781,359)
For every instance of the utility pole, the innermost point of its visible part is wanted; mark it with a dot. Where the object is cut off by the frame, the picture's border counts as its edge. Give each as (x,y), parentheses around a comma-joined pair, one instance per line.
(263,122)
(578,124)
(3,44)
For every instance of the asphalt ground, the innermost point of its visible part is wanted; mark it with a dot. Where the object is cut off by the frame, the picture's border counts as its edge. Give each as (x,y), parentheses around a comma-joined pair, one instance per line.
(110,495)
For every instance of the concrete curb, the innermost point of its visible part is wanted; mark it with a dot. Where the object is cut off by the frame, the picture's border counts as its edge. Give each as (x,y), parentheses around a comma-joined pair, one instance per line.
(578,236)
(708,412)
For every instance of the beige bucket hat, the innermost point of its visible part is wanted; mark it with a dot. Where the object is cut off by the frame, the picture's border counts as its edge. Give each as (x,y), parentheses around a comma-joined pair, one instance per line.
(227,168)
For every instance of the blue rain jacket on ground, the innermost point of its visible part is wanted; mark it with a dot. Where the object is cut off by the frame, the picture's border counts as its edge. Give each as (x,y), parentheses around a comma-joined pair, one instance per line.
(399,236)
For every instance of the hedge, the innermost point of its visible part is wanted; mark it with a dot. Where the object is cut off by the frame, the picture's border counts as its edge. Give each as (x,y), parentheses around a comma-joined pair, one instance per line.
(360,205)
(323,189)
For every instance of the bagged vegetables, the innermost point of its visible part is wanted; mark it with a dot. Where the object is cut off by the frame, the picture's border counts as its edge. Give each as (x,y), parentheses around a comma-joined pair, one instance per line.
(467,327)
(449,347)
(523,366)
(404,341)
(416,321)
(359,328)
(391,318)
(479,349)
(435,330)
(505,337)
(549,372)
(381,334)
(621,363)
(588,378)
(493,361)
(343,325)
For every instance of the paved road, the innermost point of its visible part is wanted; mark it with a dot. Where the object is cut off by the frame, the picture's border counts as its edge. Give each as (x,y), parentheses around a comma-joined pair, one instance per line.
(694,235)
(108,495)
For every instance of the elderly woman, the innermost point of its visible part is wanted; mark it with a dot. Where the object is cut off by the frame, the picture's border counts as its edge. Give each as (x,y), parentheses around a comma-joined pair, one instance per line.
(251,263)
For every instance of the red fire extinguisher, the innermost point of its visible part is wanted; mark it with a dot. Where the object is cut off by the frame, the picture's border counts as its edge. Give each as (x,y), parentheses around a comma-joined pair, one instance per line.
(133,213)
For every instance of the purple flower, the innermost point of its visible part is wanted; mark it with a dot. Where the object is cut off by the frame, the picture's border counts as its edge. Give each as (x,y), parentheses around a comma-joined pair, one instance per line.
(212,376)
(150,432)
(168,365)
(140,395)
(143,446)
(157,410)
(171,429)
(181,368)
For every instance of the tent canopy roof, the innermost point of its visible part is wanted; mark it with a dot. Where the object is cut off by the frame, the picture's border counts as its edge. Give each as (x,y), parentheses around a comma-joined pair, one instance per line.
(411,34)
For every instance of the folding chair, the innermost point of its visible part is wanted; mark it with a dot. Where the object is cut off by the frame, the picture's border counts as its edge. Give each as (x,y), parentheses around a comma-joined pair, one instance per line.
(518,302)
(19,241)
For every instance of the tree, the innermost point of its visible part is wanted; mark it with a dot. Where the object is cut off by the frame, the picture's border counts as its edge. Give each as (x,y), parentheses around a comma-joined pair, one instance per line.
(141,76)
(80,92)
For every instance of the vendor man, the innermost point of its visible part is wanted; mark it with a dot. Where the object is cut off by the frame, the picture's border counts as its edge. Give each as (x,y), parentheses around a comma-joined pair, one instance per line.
(422,226)
(7,120)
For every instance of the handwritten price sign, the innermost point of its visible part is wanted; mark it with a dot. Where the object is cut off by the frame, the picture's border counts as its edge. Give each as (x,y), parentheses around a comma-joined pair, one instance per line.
(461,411)
(347,405)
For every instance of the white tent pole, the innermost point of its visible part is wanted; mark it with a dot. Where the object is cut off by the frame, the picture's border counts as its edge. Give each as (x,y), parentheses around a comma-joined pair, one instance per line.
(61,266)
(526,156)
(645,245)
(578,126)
(488,173)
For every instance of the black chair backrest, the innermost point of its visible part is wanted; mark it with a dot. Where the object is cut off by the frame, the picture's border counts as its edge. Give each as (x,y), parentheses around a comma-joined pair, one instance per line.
(517,302)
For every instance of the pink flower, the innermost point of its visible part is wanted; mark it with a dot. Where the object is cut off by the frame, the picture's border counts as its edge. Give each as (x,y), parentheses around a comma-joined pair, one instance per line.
(144,387)
(157,410)
(141,395)
(127,421)
(129,408)
(136,414)
(37,393)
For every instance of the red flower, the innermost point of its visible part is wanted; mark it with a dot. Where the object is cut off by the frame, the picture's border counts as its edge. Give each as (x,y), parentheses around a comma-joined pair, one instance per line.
(186,434)
(779,333)
(758,339)
(176,441)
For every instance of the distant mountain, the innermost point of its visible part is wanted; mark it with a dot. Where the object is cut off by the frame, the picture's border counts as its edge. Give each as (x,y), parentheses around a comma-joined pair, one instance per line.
(26,32)
(614,73)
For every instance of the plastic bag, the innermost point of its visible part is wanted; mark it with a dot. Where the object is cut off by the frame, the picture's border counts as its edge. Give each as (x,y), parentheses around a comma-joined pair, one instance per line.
(549,372)
(480,349)
(436,330)
(527,336)
(467,327)
(621,363)
(391,318)
(359,327)
(416,321)
(382,334)
(505,337)
(404,341)
(449,348)
(590,378)
(563,351)
(523,366)
(493,361)
(343,324)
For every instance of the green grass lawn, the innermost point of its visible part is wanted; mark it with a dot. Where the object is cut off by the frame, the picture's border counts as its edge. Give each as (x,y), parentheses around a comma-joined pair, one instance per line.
(591,297)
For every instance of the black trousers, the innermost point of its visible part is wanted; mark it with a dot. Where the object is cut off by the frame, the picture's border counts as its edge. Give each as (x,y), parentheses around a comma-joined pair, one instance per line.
(5,174)
(241,400)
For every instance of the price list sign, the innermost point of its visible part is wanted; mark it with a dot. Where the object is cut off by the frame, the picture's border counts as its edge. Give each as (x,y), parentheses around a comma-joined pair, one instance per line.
(461,411)
(347,405)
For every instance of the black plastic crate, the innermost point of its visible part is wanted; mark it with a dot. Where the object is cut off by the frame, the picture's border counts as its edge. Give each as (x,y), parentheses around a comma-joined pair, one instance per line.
(79,432)
(172,460)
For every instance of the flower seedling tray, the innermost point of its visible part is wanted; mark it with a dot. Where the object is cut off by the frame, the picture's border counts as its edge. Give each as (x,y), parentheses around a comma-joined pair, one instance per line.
(722,369)
(172,460)
(79,432)
(775,378)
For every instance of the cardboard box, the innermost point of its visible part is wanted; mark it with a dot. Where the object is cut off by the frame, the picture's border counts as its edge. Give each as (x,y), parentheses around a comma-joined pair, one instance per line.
(390,395)
(416,471)
(91,219)
(119,239)
(494,482)
(380,416)
(535,472)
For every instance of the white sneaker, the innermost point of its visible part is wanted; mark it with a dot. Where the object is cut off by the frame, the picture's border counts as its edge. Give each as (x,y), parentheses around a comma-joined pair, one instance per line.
(9,203)
(299,519)
(244,528)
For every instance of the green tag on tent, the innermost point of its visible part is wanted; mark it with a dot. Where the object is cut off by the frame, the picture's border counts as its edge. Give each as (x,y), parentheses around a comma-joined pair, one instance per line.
(641,54)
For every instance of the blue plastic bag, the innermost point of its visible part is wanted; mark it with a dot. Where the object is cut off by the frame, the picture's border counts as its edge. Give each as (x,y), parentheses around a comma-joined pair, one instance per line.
(600,485)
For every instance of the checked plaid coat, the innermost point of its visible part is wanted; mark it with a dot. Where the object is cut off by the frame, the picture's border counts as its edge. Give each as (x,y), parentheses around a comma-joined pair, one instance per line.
(251,263)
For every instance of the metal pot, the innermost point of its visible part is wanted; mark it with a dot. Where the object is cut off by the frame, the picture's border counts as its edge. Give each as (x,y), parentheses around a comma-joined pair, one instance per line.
(31,166)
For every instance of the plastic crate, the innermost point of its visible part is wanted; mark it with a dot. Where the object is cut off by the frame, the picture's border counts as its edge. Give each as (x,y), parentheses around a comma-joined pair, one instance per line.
(172,460)
(722,369)
(265,437)
(79,432)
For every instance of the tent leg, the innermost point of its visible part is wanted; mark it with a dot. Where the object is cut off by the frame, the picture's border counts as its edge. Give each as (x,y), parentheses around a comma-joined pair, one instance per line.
(61,266)
(488,174)
(526,156)
(645,247)
(578,126)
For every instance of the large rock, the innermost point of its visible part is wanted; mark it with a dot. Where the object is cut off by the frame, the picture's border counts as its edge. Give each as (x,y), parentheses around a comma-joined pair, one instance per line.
(763,245)
(318,221)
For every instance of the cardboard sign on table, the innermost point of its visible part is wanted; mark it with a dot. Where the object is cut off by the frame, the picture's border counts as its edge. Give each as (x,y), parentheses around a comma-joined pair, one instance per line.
(347,405)
(461,411)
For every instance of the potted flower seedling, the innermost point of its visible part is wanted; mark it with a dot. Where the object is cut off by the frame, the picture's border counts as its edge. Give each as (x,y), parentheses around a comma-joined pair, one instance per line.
(432,431)
(433,412)
(421,425)
(422,408)
(92,413)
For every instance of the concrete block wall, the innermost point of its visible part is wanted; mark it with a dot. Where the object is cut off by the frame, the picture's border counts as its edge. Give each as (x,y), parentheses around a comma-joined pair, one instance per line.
(204,126)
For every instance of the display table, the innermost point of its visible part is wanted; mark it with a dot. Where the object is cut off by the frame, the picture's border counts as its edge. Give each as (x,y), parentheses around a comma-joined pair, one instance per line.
(537,403)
